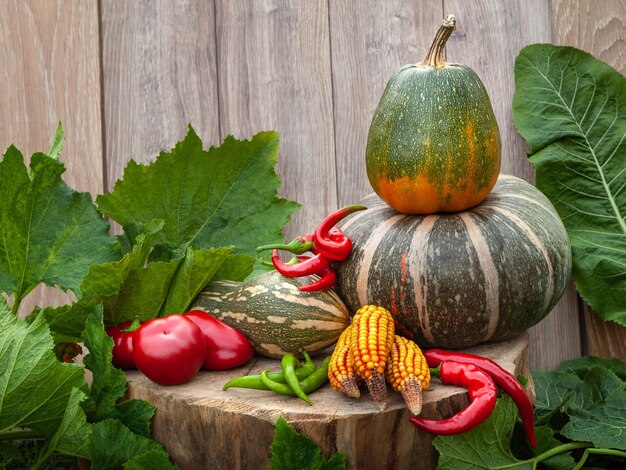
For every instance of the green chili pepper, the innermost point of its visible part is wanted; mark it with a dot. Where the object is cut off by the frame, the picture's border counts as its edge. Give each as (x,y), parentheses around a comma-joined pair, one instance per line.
(254,381)
(317,378)
(288,365)
(281,389)
(302,372)
(308,385)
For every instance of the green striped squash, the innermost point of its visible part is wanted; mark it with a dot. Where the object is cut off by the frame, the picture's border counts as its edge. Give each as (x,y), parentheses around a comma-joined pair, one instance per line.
(433,143)
(275,315)
(456,280)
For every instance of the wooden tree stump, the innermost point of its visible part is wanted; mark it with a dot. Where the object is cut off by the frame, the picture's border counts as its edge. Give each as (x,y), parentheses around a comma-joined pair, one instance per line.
(204,427)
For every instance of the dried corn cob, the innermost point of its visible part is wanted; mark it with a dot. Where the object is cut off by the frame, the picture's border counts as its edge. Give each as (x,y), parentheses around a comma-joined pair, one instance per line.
(408,372)
(372,339)
(341,368)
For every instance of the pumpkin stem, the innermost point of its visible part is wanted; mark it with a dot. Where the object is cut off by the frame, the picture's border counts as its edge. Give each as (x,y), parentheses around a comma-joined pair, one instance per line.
(436,54)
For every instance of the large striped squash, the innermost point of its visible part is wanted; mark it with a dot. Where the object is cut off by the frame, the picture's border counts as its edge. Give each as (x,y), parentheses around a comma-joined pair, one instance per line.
(455,280)
(275,315)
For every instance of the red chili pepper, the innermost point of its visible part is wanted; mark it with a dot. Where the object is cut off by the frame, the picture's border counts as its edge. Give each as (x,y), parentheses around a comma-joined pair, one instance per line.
(314,265)
(122,336)
(325,282)
(226,347)
(482,394)
(337,249)
(503,379)
(169,350)
(297,246)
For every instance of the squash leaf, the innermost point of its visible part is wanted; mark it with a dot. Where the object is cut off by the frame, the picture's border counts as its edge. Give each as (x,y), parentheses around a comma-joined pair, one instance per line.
(112,445)
(219,197)
(37,391)
(109,384)
(468,451)
(571,108)
(49,233)
(291,450)
(594,403)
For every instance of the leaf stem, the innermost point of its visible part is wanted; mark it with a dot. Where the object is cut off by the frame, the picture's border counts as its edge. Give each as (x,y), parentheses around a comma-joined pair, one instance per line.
(547,454)
(19,434)
(42,459)
(593,450)
(16,304)
(560,449)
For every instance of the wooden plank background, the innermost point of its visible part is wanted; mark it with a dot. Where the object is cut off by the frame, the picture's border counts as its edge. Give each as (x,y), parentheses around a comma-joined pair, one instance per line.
(126,77)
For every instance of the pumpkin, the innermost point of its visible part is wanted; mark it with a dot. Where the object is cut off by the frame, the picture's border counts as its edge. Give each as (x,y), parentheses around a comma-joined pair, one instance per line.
(275,315)
(456,280)
(433,143)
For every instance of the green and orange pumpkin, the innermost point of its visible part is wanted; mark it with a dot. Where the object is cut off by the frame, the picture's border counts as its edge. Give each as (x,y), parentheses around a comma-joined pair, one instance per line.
(434,143)
(456,280)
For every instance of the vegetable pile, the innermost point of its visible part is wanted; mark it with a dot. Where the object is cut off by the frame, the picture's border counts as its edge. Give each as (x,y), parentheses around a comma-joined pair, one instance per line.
(455,263)
(180,289)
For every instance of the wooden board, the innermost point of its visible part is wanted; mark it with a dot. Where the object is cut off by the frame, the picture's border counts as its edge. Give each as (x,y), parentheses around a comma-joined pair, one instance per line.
(51,73)
(274,73)
(204,427)
(159,69)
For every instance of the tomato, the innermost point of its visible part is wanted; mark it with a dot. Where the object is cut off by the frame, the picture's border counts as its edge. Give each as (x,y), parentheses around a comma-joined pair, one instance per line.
(226,347)
(122,346)
(169,350)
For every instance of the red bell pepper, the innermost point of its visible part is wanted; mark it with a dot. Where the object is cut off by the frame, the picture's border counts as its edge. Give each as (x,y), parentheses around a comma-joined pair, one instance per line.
(169,350)
(226,347)
(122,345)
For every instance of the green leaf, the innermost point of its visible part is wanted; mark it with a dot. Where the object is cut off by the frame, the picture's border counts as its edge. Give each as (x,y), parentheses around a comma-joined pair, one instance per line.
(50,233)
(74,434)
(291,450)
(197,268)
(36,390)
(556,390)
(571,108)
(136,415)
(581,366)
(485,447)
(104,284)
(595,404)
(154,460)
(113,444)
(564,390)
(57,144)
(603,423)
(108,383)
(221,197)
(4,307)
